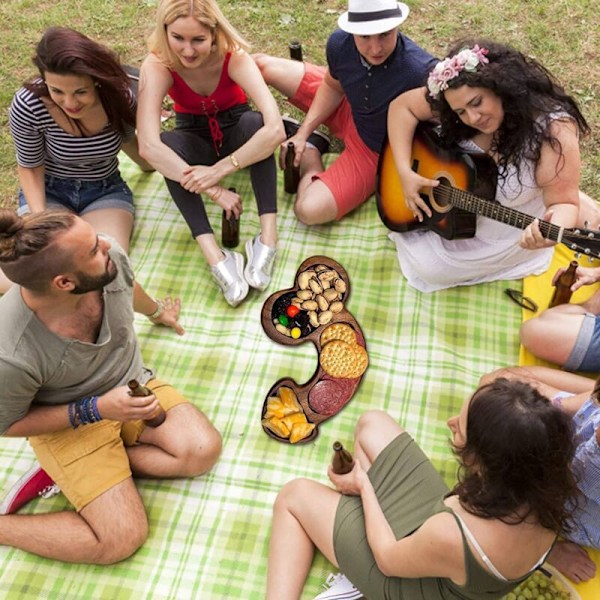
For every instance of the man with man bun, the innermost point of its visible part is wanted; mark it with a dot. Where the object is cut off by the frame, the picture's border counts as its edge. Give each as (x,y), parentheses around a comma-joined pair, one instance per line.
(67,350)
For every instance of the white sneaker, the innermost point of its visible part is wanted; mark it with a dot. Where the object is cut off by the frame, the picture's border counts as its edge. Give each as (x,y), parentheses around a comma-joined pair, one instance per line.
(260,263)
(229,275)
(339,588)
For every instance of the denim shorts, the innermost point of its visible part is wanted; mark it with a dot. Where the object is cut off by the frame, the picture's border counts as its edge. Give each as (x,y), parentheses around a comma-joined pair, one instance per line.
(82,196)
(585,355)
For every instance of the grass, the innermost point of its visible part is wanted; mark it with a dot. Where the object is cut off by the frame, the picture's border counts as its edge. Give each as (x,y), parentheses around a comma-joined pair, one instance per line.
(564,35)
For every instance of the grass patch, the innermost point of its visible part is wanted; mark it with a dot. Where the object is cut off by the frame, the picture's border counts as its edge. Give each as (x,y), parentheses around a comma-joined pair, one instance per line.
(565,36)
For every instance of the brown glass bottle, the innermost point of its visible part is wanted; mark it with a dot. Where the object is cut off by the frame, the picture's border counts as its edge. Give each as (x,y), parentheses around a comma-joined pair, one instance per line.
(295,50)
(562,289)
(230,229)
(342,461)
(137,389)
(291,173)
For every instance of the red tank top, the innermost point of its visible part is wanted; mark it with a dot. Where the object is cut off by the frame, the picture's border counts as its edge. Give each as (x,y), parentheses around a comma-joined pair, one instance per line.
(226,95)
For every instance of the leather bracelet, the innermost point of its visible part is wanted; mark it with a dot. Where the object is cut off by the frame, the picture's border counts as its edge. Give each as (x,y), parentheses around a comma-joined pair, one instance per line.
(160,306)
(234,161)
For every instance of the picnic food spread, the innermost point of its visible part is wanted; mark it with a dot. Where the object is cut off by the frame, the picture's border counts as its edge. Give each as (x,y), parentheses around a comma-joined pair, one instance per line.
(315,310)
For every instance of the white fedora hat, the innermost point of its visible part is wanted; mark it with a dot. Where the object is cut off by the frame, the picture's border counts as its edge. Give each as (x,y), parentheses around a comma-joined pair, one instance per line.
(368,17)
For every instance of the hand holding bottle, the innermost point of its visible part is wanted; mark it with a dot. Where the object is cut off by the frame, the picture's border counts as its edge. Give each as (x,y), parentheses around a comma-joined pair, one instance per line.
(562,285)
(119,405)
(583,276)
(137,390)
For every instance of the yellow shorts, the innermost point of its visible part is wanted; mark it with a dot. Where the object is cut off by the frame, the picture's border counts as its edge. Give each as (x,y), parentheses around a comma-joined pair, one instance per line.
(87,461)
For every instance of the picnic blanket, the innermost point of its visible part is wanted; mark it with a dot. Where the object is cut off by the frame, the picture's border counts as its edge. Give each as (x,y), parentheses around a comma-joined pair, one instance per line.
(209,536)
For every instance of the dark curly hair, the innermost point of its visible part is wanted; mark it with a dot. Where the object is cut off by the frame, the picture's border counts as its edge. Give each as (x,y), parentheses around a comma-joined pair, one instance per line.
(516,462)
(528,92)
(65,51)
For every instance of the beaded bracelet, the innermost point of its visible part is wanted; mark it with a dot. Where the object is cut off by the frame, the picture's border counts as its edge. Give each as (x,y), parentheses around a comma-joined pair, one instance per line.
(84,412)
(160,306)
(234,161)
(73,420)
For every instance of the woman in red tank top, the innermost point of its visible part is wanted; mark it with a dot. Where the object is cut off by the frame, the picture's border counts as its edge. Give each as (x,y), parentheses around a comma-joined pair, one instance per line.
(201,62)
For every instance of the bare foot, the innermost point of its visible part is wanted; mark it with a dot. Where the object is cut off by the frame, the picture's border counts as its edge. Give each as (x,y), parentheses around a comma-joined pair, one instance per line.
(573,561)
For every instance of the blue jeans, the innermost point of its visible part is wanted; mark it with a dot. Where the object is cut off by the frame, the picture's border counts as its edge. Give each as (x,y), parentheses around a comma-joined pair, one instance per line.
(82,196)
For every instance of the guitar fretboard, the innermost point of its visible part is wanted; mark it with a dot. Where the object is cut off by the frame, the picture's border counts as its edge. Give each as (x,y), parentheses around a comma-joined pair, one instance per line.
(446,194)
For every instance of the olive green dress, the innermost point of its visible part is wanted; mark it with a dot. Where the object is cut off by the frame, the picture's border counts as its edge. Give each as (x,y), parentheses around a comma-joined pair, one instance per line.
(410,491)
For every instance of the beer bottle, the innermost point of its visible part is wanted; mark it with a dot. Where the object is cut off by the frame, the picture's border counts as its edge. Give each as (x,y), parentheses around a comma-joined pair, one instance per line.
(562,289)
(137,389)
(342,461)
(230,229)
(291,173)
(295,50)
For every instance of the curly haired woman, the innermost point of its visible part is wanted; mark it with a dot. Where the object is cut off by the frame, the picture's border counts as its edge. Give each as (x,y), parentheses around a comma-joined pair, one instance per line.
(493,99)
(396,531)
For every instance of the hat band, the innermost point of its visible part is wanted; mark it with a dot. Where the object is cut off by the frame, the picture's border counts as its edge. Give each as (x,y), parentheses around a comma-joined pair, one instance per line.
(361,17)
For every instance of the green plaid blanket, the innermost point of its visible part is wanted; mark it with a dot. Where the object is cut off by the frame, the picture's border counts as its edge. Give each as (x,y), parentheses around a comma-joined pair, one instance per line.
(209,536)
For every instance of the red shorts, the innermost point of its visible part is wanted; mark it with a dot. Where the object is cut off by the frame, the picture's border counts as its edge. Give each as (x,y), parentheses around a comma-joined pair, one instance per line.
(351,177)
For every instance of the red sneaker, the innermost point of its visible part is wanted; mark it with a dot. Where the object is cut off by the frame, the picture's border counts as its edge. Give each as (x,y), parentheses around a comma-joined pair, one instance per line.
(36,482)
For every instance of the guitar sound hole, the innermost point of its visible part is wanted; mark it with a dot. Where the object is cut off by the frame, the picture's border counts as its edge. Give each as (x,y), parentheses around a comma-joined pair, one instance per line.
(441,193)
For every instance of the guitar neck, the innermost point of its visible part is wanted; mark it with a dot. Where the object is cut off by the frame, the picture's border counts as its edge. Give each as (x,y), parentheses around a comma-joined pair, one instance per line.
(495,211)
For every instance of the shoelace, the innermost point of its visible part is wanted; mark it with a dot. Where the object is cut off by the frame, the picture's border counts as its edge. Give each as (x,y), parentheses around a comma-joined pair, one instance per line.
(49,491)
(331,580)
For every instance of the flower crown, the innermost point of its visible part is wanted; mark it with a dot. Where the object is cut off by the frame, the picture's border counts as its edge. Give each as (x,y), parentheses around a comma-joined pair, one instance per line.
(468,59)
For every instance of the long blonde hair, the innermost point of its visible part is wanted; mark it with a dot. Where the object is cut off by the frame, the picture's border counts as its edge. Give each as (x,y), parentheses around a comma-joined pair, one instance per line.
(206,12)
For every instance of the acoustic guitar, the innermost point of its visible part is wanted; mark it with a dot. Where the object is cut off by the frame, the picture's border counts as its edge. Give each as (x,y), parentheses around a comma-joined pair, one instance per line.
(467,188)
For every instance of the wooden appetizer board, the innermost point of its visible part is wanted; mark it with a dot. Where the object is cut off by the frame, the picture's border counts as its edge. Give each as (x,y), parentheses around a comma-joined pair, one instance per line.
(314,310)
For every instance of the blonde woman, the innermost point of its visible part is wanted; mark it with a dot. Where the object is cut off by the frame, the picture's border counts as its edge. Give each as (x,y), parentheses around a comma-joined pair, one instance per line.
(200,61)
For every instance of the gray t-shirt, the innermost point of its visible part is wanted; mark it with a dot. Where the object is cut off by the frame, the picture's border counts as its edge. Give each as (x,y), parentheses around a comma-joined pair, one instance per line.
(39,367)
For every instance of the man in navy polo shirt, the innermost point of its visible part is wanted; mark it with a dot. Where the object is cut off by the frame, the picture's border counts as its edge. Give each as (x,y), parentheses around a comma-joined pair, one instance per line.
(369,63)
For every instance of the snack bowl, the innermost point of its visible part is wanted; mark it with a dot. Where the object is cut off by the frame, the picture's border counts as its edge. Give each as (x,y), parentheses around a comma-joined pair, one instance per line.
(340,344)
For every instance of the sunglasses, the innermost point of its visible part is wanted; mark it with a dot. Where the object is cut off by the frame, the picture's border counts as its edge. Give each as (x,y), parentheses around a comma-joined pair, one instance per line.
(523,301)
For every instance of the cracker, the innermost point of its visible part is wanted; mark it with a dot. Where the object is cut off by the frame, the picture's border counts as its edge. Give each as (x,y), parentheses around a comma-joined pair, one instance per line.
(340,359)
(339,331)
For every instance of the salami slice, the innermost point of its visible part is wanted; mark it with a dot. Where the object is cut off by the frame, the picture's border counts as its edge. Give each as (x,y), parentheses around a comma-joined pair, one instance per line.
(329,395)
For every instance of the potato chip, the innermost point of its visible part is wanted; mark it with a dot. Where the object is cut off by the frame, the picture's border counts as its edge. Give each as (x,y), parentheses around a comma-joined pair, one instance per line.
(294,418)
(277,426)
(289,398)
(301,431)
(275,408)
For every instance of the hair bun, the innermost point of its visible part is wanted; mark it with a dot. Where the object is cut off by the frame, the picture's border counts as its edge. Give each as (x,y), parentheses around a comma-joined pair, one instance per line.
(10,225)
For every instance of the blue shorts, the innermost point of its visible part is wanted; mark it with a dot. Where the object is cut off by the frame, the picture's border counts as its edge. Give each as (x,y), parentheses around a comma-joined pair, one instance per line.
(585,355)
(82,196)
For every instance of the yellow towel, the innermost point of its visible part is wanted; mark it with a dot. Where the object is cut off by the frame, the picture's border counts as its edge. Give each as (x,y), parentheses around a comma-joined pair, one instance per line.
(539,289)
(591,589)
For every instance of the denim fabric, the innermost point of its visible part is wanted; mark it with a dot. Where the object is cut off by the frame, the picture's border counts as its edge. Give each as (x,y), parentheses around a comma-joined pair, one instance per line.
(81,196)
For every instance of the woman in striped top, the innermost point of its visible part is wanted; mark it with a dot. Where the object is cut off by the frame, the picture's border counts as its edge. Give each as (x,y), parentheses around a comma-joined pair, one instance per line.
(68,126)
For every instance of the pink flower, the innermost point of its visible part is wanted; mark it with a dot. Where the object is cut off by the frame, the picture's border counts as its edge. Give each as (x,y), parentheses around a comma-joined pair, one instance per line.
(468,59)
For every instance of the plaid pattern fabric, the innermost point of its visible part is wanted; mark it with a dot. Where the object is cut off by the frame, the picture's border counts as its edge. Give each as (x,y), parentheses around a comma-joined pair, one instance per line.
(209,536)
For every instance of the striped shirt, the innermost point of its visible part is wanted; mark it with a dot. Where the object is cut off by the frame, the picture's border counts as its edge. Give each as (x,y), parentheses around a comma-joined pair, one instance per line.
(40,141)
(586,466)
